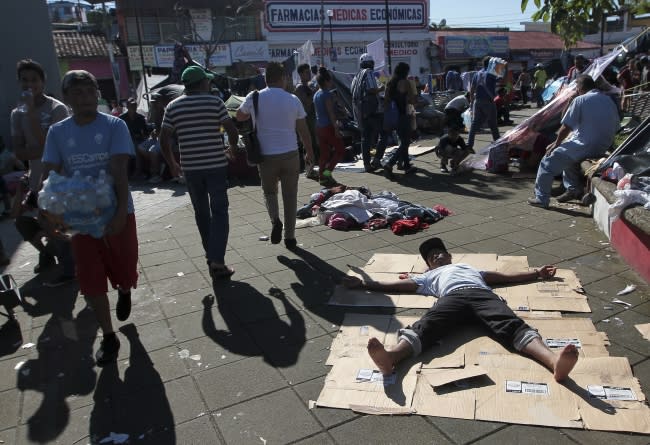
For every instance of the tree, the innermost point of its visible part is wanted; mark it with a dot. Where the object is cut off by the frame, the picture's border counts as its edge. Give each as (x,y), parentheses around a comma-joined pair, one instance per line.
(570,18)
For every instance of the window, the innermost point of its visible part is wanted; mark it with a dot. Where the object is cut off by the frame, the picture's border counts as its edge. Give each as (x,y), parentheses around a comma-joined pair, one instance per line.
(238,28)
(149,29)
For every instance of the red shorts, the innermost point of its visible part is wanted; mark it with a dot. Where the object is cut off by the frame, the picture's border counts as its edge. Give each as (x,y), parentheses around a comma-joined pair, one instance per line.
(114,257)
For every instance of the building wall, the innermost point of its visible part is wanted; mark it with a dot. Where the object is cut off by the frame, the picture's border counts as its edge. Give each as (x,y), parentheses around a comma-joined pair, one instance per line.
(25,28)
(101,69)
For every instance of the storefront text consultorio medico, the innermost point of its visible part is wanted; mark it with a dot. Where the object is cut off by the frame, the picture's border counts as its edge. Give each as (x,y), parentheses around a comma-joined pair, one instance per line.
(306,15)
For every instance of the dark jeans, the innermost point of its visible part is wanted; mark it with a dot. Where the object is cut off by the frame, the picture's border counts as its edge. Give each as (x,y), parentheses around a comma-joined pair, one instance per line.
(372,129)
(209,194)
(404,134)
(503,114)
(483,111)
(524,93)
(470,305)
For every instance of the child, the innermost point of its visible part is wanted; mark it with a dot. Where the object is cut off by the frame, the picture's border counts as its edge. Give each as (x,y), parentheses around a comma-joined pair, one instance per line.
(452,147)
(503,108)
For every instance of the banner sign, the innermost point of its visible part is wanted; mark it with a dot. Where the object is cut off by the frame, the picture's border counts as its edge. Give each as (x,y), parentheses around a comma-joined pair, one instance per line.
(165,55)
(462,47)
(249,51)
(347,16)
(202,20)
(135,63)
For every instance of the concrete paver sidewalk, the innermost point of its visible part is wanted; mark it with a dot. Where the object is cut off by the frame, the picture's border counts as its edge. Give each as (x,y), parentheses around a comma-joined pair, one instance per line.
(237,362)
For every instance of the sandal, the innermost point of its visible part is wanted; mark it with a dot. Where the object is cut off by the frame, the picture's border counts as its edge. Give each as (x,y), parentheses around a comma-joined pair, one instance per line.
(221,272)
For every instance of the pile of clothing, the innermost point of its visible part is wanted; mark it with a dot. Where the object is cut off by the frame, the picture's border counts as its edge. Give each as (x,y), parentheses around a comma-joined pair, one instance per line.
(345,208)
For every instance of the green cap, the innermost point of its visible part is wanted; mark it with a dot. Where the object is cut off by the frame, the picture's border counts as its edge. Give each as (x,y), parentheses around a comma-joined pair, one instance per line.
(195,74)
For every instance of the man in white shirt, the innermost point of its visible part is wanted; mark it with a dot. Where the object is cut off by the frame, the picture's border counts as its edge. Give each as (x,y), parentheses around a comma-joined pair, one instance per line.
(463,294)
(279,115)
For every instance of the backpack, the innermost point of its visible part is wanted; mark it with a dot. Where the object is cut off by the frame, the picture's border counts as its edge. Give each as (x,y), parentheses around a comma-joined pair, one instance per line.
(366,104)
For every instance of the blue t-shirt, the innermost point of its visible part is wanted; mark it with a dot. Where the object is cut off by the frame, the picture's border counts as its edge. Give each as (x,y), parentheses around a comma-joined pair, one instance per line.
(594,119)
(88,148)
(484,86)
(320,105)
(445,279)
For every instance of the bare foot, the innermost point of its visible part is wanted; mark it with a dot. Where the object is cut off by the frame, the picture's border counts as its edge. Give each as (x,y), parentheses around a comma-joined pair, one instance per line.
(380,356)
(565,362)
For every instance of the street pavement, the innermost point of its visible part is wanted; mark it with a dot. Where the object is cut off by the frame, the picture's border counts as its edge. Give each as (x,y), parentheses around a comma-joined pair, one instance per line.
(238,362)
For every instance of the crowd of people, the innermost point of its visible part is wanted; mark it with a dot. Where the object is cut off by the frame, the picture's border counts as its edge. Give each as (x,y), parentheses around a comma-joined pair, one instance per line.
(294,125)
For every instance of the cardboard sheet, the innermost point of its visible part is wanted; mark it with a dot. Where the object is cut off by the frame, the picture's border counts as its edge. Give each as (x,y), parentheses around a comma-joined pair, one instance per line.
(343,389)
(644,329)
(470,376)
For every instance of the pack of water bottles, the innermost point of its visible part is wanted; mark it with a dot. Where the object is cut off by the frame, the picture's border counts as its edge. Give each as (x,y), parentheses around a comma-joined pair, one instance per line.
(86,204)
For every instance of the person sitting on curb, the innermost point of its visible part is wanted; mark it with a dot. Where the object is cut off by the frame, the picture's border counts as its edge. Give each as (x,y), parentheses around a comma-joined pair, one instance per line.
(588,129)
(503,107)
(463,294)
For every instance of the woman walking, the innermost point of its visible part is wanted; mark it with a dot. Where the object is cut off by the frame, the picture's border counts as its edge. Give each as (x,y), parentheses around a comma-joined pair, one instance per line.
(399,91)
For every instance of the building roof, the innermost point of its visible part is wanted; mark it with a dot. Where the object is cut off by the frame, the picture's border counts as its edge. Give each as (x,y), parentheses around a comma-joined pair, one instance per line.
(76,44)
(522,40)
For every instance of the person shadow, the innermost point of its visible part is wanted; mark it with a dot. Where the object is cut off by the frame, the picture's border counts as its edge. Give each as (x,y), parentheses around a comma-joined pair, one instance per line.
(135,408)
(64,368)
(253,326)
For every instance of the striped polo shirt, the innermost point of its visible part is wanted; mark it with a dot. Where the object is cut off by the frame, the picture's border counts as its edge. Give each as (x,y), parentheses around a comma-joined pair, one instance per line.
(197,119)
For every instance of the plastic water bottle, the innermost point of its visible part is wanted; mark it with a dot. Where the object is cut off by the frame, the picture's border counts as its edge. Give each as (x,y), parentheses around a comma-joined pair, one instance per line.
(24,97)
(87,198)
(104,191)
(75,187)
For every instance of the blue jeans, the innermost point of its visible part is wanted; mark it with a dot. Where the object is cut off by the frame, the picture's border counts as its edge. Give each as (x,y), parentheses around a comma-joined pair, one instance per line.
(209,194)
(404,134)
(483,111)
(551,166)
(371,130)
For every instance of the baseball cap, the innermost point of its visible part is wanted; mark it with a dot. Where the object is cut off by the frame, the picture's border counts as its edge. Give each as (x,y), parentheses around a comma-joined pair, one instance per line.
(195,74)
(431,244)
(76,77)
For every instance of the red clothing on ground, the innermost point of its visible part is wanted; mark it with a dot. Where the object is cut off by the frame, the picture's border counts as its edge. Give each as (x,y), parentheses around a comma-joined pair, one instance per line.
(114,257)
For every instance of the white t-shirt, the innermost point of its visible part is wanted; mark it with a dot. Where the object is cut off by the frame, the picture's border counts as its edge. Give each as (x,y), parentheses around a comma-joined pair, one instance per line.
(277,113)
(446,279)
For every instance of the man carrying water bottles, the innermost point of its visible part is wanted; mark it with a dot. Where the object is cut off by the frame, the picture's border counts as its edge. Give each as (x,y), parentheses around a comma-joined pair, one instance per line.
(90,142)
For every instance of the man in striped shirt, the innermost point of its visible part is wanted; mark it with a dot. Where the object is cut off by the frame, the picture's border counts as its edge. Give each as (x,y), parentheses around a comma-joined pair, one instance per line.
(197,118)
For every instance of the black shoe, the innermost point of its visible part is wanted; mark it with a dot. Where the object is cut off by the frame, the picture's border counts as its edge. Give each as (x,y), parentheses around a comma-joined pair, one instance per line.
(375,165)
(61,280)
(388,171)
(276,232)
(558,190)
(108,349)
(568,196)
(45,260)
(290,243)
(123,308)
(588,199)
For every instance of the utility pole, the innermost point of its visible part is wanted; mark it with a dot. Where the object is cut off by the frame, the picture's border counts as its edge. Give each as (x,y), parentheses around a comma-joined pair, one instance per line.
(390,68)
(322,31)
(144,72)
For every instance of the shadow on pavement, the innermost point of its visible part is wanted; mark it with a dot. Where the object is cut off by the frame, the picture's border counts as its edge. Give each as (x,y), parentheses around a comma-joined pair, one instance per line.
(246,311)
(64,368)
(136,406)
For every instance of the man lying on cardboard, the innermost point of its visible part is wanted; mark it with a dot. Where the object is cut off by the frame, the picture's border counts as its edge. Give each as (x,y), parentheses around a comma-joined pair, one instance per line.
(464,295)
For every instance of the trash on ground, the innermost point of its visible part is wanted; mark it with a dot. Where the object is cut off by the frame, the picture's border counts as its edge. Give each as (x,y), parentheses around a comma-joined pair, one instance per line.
(608,308)
(184,353)
(628,289)
(195,357)
(180,274)
(18,365)
(169,226)
(263,238)
(28,345)
(621,302)
(24,265)
(618,321)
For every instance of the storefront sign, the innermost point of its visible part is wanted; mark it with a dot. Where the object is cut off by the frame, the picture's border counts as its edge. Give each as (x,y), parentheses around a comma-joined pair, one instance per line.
(348,16)
(135,62)
(462,47)
(165,55)
(202,24)
(249,51)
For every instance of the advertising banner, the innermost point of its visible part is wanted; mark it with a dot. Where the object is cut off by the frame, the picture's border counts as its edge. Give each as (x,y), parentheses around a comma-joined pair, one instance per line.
(135,63)
(249,51)
(463,47)
(165,55)
(347,16)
